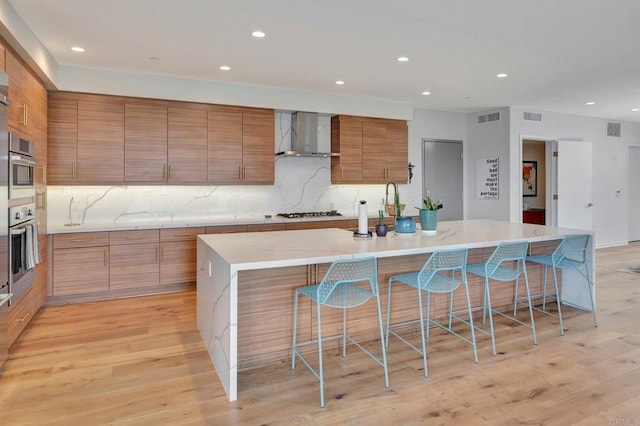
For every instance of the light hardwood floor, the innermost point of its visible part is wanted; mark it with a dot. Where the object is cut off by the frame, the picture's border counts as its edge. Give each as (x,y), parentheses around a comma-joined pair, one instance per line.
(141,361)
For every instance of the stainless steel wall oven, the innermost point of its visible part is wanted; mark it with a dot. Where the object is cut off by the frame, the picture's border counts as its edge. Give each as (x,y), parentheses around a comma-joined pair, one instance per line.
(23,248)
(21,167)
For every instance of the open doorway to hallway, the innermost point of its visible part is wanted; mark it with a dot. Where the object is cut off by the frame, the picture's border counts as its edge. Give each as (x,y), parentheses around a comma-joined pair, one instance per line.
(534,182)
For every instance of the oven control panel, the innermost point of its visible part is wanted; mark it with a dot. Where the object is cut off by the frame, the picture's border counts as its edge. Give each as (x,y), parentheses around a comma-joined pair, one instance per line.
(22,213)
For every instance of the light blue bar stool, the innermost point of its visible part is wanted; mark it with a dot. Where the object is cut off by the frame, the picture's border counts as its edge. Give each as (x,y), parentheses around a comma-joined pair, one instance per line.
(339,289)
(571,254)
(443,273)
(494,269)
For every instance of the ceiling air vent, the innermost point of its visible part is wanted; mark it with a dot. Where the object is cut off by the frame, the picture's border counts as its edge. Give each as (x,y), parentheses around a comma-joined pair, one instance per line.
(532,116)
(614,129)
(485,118)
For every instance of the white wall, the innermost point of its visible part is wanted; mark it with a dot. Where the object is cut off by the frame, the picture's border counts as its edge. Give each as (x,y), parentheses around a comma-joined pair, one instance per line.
(609,168)
(488,140)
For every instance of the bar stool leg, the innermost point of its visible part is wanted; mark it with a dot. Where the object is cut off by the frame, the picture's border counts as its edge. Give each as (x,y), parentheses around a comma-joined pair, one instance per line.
(558,298)
(526,283)
(424,345)
(488,304)
(320,370)
(295,334)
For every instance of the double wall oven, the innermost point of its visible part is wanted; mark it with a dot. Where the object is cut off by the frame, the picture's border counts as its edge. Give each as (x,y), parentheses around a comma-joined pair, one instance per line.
(19,251)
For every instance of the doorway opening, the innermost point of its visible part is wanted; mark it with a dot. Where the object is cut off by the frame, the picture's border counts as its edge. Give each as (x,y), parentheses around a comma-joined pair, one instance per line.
(534,182)
(443,176)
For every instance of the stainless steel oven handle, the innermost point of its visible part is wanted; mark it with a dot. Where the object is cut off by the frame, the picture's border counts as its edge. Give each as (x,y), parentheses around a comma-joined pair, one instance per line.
(16,159)
(18,231)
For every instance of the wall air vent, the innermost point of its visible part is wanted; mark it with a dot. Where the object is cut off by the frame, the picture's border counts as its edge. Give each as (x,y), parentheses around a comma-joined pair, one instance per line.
(614,129)
(485,118)
(532,116)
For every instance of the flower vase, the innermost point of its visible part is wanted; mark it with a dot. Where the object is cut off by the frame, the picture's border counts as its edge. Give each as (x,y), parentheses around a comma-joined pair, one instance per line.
(428,220)
(381,230)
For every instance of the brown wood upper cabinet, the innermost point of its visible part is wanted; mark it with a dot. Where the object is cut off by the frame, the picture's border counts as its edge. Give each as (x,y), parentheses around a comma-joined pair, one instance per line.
(86,138)
(21,85)
(372,150)
(241,145)
(110,139)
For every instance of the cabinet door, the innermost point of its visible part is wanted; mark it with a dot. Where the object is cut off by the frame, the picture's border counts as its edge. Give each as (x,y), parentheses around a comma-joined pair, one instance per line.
(133,266)
(145,143)
(19,94)
(100,140)
(178,262)
(258,146)
(374,151)
(80,270)
(346,138)
(224,146)
(187,148)
(397,152)
(62,139)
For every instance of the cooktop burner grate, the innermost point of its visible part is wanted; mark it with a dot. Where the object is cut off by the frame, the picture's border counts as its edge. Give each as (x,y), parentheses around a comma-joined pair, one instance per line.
(309,214)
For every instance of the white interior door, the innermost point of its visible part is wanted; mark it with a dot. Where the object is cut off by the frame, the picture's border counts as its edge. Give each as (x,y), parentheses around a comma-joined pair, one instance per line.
(634,193)
(574,185)
(443,176)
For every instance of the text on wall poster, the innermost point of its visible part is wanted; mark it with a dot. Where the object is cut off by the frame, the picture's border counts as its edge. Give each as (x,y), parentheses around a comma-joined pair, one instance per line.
(487,178)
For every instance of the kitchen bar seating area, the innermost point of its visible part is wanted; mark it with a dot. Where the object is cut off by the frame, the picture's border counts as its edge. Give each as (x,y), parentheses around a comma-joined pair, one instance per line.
(241,336)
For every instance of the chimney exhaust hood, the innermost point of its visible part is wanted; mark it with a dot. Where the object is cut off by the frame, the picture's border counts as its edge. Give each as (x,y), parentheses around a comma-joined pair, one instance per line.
(304,137)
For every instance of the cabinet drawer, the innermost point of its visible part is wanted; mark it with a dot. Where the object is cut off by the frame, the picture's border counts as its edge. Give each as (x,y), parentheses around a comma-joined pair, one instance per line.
(80,239)
(258,227)
(227,229)
(20,313)
(133,237)
(180,234)
(80,270)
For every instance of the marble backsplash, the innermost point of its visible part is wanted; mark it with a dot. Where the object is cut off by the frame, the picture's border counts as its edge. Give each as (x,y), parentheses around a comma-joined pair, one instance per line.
(301,184)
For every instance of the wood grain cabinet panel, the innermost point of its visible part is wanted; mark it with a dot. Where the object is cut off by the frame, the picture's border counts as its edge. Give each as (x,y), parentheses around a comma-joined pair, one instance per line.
(100,139)
(20,313)
(20,93)
(145,143)
(258,157)
(371,150)
(225,145)
(62,152)
(80,270)
(346,138)
(178,259)
(187,147)
(134,266)
(2,58)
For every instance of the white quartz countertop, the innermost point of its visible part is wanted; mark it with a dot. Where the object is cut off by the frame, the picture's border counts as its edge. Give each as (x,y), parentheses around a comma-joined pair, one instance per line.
(257,250)
(182,223)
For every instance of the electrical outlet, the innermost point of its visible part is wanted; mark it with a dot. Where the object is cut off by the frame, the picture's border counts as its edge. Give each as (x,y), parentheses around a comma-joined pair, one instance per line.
(163,190)
(66,191)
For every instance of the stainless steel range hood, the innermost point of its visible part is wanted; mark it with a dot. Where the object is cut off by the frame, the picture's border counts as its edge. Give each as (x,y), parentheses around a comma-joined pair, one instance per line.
(304,137)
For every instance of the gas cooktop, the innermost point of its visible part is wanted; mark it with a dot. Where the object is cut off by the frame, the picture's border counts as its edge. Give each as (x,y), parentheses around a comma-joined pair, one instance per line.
(309,214)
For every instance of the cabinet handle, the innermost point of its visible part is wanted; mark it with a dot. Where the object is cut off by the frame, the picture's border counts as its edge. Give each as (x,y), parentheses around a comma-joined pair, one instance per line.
(240,172)
(26,115)
(79,240)
(133,237)
(23,317)
(24,121)
(73,170)
(44,174)
(341,173)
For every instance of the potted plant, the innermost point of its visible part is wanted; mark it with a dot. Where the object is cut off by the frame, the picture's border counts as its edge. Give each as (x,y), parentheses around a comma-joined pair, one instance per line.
(404,224)
(381,228)
(429,213)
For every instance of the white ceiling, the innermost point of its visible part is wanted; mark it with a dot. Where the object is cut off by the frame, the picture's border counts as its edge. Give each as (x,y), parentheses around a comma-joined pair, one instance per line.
(559,54)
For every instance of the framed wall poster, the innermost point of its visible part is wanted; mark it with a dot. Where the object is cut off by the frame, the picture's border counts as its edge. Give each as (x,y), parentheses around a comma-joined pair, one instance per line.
(529,178)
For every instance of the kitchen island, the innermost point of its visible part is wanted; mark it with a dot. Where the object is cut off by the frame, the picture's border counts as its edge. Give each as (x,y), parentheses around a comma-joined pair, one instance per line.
(245,282)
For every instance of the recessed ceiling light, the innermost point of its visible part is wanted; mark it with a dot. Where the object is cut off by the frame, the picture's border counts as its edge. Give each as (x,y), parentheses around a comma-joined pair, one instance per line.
(467,97)
(426,93)
(154,59)
(635,109)
(403,59)
(225,68)
(591,103)
(502,75)
(339,82)
(258,34)
(77,49)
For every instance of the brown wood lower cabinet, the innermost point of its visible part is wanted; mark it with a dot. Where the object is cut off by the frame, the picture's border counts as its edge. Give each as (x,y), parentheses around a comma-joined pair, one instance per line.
(178,255)
(134,259)
(80,263)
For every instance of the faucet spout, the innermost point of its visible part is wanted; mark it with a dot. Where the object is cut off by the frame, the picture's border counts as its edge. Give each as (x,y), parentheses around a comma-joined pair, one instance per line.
(386,195)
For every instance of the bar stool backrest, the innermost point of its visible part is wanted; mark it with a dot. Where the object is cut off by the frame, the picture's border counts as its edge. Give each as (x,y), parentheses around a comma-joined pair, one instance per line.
(349,271)
(442,260)
(504,252)
(572,247)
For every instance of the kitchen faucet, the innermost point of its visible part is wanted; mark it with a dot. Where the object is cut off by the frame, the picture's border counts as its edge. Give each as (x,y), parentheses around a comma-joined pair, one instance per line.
(390,211)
